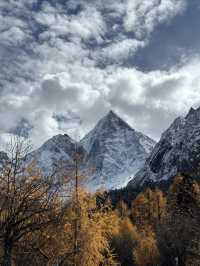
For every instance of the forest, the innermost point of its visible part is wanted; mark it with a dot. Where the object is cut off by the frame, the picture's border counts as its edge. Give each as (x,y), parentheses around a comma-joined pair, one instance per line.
(43,224)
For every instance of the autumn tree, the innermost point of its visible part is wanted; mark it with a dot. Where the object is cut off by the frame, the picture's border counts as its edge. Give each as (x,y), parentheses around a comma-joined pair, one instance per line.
(148,208)
(124,241)
(95,227)
(184,196)
(28,202)
(178,233)
(146,252)
(55,244)
(122,209)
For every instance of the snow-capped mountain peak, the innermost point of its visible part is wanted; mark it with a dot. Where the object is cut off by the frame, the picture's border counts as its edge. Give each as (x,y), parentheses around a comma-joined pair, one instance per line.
(109,154)
(111,123)
(56,153)
(116,151)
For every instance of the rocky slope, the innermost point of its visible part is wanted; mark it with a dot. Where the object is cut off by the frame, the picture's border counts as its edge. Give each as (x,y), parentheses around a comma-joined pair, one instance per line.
(177,151)
(56,155)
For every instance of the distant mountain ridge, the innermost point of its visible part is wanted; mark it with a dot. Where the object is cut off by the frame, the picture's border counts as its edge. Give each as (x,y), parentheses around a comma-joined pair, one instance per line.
(113,154)
(110,154)
(177,151)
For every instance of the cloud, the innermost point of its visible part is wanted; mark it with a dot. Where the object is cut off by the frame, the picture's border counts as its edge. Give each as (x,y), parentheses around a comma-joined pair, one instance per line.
(143,16)
(150,101)
(64,59)
(119,51)
(13,36)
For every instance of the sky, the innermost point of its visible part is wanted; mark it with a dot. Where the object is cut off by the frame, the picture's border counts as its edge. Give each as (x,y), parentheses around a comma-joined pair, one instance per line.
(66,61)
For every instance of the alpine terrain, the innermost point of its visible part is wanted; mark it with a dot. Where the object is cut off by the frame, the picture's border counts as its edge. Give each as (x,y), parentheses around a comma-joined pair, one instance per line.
(177,151)
(109,155)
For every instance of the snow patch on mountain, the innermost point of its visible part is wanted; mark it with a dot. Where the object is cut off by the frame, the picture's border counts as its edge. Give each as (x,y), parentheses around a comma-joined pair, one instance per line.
(109,155)
(54,154)
(177,151)
(116,151)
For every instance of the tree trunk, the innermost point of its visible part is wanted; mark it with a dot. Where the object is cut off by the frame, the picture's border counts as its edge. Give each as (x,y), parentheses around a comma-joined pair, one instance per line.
(181,261)
(7,258)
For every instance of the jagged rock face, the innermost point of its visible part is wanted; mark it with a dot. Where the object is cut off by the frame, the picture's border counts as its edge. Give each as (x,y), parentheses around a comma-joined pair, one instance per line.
(177,151)
(109,155)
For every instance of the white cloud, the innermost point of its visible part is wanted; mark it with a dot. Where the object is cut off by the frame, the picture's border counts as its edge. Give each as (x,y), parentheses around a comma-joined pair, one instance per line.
(83,25)
(57,69)
(142,98)
(143,16)
(117,52)
(150,101)
(13,36)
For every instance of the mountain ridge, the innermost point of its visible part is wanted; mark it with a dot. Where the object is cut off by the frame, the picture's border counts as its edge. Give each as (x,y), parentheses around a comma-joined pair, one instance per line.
(110,153)
(177,151)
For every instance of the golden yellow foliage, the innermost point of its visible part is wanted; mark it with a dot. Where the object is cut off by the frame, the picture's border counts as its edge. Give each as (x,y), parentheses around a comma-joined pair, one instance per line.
(95,227)
(124,241)
(146,252)
(148,208)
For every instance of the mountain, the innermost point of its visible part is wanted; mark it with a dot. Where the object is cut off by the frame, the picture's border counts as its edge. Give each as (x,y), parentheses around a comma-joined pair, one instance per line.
(109,155)
(115,151)
(177,151)
(56,155)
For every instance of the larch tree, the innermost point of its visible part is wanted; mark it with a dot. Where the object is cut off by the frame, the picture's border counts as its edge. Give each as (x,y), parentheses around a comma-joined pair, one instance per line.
(148,208)
(124,241)
(95,227)
(28,202)
(146,252)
